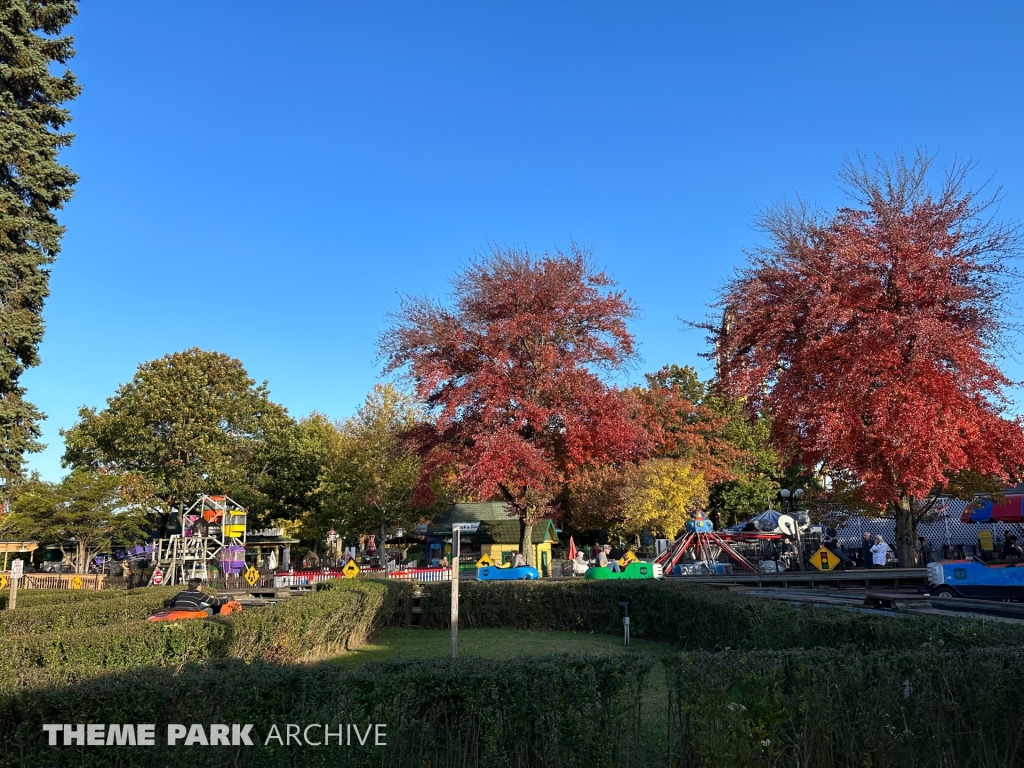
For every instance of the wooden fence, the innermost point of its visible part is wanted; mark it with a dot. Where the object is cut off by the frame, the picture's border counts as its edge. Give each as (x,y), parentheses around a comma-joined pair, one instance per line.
(89,581)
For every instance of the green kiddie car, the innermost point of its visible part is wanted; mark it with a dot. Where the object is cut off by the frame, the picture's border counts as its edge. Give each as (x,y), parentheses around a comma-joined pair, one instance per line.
(637,570)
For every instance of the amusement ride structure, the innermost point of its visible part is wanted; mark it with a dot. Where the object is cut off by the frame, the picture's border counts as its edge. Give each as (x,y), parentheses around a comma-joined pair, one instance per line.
(213,533)
(705,546)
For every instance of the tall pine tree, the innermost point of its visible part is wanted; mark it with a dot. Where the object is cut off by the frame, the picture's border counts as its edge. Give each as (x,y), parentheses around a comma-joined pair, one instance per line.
(33,186)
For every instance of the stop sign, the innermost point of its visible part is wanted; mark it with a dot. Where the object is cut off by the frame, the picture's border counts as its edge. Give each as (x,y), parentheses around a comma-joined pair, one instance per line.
(158,577)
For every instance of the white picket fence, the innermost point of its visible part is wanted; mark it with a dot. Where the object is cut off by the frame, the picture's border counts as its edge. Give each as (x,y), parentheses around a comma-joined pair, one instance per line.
(305,578)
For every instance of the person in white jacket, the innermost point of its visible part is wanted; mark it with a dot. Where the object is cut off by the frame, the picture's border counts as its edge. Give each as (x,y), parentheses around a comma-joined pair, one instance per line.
(879,551)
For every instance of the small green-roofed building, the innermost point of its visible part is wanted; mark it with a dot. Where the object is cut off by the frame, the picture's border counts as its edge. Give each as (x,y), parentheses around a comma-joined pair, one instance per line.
(497,537)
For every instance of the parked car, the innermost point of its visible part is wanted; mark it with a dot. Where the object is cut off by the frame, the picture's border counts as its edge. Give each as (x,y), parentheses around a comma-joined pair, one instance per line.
(973,578)
(496,573)
(637,570)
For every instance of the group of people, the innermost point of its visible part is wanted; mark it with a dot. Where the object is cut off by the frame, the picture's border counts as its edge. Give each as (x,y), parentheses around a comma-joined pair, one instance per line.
(874,551)
(601,557)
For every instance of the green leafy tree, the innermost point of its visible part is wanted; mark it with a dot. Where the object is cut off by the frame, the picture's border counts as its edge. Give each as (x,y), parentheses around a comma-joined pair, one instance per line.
(190,422)
(33,186)
(286,482)
(374,479)
(93,511)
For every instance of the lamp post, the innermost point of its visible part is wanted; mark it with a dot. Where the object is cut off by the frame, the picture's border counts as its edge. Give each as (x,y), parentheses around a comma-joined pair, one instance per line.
(790,498)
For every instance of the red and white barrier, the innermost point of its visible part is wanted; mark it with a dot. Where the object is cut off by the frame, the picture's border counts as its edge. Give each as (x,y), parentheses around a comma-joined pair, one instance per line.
(305,578)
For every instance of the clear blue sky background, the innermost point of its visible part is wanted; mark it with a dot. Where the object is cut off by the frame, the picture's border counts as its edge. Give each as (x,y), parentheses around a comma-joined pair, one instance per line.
(265,179)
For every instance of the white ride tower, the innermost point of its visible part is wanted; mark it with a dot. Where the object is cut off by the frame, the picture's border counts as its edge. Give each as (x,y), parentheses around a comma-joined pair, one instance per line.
(213,534)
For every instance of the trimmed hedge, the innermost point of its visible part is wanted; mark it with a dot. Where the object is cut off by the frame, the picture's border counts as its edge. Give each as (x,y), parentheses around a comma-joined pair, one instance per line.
(696,617)
(328,621)
(828,708)
(559,710)
(33,598)
(61,612)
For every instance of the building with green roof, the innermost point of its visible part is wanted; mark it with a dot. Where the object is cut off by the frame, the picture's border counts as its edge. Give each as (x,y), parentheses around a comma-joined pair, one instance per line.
(497,536)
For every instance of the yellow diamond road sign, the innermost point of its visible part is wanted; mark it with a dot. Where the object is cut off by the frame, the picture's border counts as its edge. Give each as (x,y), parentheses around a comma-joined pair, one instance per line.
(484,562)
(3,581)
(824,560)
(252,576)
(351,570)
(76,583)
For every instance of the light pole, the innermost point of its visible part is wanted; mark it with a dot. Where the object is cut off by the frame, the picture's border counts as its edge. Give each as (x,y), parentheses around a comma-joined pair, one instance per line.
(789,504)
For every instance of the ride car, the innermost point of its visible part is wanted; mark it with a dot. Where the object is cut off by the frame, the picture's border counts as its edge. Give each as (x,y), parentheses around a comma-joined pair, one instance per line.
(636,570)
(168,613)
(976,579)
(496,573)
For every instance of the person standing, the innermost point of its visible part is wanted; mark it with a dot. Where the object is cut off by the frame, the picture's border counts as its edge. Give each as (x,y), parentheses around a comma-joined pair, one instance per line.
(924,551)
(879,552)
(126,573)
(865,550)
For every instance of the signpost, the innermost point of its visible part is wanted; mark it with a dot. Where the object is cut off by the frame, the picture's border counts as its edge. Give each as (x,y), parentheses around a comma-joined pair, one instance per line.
(824,560)
(17,571)
(457,529)
(351,570)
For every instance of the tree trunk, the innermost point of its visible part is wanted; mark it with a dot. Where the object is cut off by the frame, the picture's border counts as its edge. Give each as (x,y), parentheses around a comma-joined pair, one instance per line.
(82,566)
(906,531)
(526,542)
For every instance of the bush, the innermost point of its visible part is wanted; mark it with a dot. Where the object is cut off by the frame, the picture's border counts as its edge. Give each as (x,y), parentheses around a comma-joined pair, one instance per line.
(825,707)
(559,710)
(696,617)
(42,613)
(328,621)
(32,598)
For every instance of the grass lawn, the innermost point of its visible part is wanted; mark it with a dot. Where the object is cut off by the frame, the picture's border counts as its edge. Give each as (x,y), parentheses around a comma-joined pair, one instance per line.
(492,644)
(508,643)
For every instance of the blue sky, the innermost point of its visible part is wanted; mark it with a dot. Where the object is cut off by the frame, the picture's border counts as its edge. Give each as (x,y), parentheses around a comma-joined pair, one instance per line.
(266,179)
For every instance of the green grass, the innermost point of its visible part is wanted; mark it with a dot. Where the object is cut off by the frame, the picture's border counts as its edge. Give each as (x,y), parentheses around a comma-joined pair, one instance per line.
(509,643)
(491,644)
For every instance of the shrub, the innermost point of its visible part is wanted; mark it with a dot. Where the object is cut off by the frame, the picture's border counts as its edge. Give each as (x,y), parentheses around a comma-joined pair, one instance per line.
(696,617)
(328,621)
(32,598)
(559,710)
(836,707)
(41,614)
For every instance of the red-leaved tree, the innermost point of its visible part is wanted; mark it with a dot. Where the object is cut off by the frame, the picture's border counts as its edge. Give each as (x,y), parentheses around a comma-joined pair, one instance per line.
(871,337)
(511,372)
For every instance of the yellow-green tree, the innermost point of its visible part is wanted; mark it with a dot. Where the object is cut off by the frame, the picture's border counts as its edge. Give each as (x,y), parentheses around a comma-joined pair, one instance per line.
(659,496)
(372,479)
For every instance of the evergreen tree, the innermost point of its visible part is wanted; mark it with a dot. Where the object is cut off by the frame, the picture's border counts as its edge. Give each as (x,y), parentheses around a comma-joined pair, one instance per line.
(33,186)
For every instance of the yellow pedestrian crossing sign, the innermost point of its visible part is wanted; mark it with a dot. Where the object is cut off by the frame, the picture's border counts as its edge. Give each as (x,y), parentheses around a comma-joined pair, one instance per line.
(351,570)
(251,576)
(76,583)
(484,562)
(824,560)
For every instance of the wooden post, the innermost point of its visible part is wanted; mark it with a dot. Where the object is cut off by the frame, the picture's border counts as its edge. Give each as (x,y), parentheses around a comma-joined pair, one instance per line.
(456,536)
(16,573)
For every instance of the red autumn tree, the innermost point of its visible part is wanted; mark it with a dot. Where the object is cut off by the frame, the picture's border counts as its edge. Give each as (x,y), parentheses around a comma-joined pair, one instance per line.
(681,426)
(871,337)
(512,374)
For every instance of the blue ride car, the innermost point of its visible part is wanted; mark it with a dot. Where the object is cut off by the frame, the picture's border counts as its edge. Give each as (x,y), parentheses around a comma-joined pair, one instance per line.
(494,573)
(975,579)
